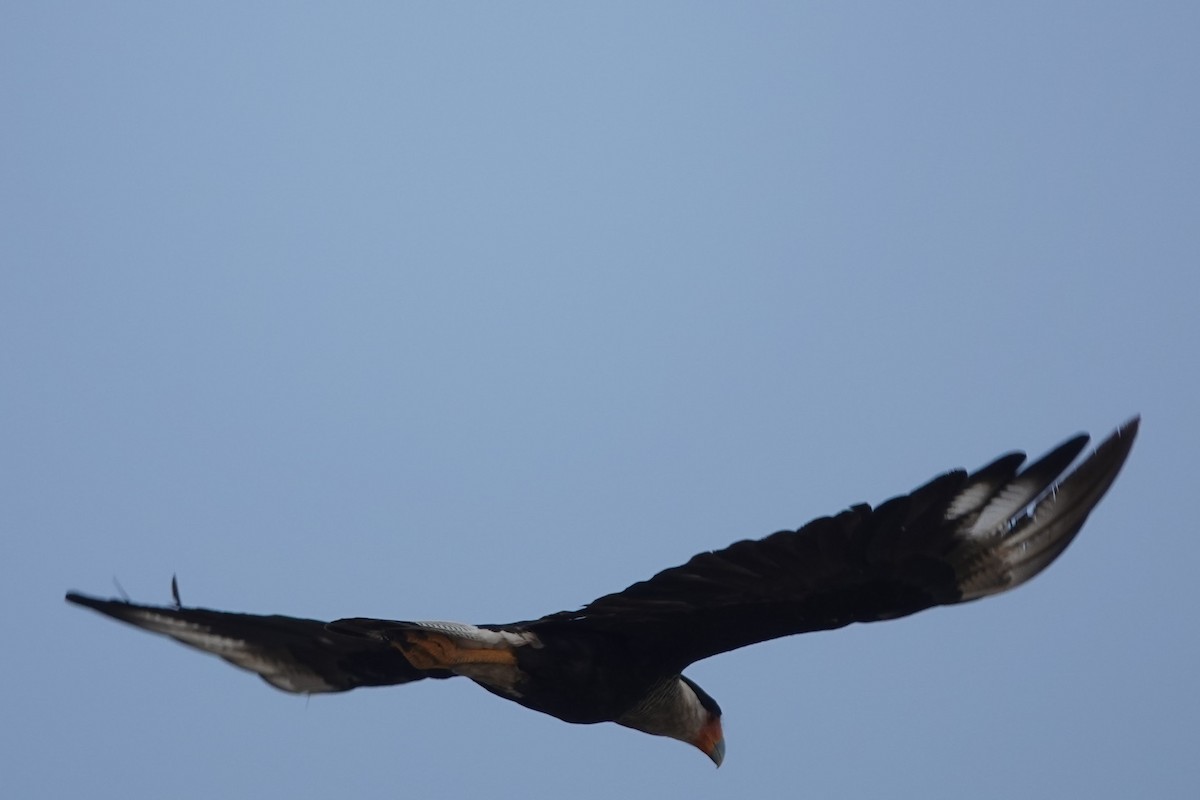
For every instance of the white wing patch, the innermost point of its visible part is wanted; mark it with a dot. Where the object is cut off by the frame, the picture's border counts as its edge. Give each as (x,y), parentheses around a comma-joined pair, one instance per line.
(282,674)
(189,632)
(970,499)
(1008,503)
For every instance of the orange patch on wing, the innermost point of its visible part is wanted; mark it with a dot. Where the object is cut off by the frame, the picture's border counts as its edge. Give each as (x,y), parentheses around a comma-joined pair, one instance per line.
(427,650)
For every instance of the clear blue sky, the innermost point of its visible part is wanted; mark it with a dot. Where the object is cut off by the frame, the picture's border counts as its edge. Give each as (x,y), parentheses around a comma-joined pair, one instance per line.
(479,311)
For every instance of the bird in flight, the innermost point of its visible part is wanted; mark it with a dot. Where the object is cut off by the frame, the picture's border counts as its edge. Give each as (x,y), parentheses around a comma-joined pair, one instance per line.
(620,658)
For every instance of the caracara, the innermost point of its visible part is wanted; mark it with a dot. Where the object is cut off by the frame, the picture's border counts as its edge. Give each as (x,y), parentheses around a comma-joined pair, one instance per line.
(620,658)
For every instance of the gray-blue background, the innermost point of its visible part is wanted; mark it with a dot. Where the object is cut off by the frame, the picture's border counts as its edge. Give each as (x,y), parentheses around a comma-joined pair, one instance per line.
(479,311)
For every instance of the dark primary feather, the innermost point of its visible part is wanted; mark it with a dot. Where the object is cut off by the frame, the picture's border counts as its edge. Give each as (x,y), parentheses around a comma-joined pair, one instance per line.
(959,537)
(296,655)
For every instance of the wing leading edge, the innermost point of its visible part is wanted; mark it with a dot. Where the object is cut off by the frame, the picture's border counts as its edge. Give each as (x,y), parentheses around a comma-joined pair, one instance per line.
(959,537)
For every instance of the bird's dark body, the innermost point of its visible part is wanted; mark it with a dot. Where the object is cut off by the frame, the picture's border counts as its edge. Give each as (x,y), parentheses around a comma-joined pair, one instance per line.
(582,675)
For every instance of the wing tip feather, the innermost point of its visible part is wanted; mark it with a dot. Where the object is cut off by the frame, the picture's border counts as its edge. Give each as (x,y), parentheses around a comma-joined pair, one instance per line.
(1036,538)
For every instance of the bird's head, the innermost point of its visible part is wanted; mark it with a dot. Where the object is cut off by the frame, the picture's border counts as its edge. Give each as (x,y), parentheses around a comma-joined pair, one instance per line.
(678,708)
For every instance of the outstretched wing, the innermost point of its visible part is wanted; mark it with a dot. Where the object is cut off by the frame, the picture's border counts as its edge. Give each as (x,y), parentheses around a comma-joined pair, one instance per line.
(295,655)
(959,537)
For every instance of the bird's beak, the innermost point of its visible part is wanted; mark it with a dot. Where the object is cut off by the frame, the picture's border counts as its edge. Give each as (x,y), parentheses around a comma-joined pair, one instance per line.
(711,741)
(717,751)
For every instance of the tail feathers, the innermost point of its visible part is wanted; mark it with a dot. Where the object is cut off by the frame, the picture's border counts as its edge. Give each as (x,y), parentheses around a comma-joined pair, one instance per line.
(304,656)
